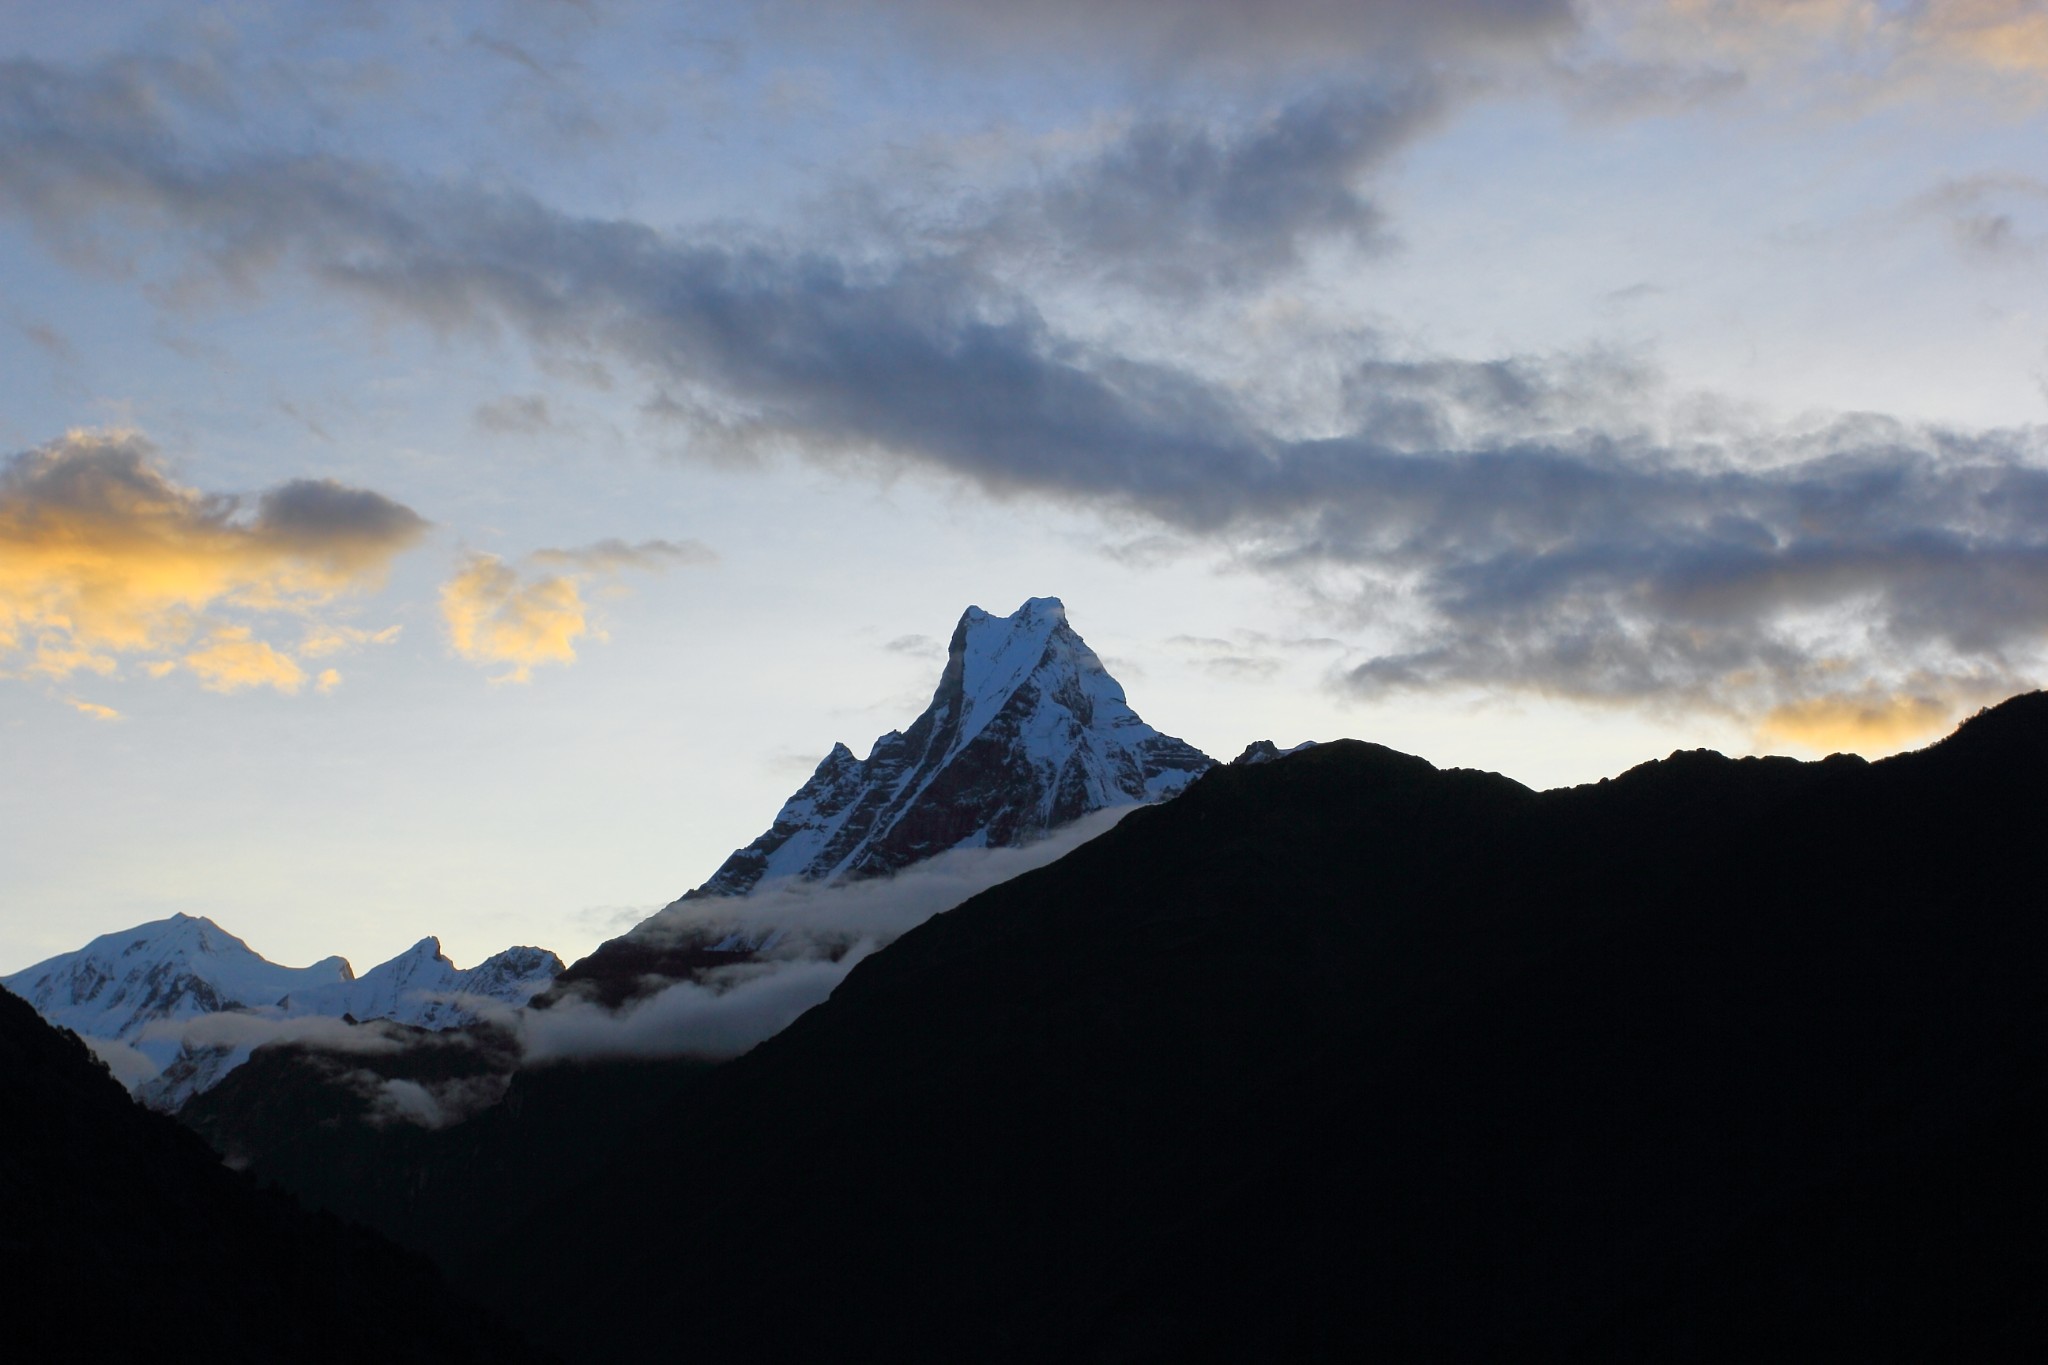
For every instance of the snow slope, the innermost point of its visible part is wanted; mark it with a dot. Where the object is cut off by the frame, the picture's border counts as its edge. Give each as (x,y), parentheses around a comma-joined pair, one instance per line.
(423,988)
(168,969)
(141,998)
(1026,731)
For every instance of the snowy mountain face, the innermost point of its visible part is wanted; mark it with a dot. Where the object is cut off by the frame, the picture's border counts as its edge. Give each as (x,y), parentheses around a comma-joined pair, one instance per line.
(170,969)
(421,987)
(1026,732)
(126,993)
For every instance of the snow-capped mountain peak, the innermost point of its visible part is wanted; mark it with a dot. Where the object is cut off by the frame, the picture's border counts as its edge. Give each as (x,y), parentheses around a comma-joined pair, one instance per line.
(423,988)
(172,968)
(127,993)
(1025,732)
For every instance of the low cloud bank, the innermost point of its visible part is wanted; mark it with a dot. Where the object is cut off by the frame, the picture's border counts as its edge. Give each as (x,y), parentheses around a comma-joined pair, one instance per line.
(807,937)
(810,936)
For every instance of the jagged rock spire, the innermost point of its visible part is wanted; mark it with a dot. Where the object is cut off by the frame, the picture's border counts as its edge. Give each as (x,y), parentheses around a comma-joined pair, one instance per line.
(1025,732)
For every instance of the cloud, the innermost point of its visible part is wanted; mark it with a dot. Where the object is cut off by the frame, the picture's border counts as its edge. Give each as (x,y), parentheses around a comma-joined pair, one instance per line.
(245,1030)
(917,646)
(614,556)
(817,934)
(130,1067)
(501,615)
(428,1104)
(231,661)
(1525,522)
(515,415)
(1866,723)
(719,1019)
(1162,36)
(93,709)
(1177,204)
(322,639)
(496,617)
(1953,46)
(1991,217)
(103,554)
(50,341)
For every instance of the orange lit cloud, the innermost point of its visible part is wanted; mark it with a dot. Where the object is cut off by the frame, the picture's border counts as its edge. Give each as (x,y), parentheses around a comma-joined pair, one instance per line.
(499,616)
(1869,724)
(104,555)
(322,640)
(93,709)
(232,661)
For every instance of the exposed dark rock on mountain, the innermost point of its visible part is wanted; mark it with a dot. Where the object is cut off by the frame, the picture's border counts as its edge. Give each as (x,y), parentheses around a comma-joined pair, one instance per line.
(1026,732)
(123,1237)
(122,990)
(1265,751)
(1345,1057)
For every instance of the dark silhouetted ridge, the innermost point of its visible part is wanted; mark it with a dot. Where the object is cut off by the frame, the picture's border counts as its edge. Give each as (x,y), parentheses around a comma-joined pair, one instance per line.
(1348,1057)
(123,1237)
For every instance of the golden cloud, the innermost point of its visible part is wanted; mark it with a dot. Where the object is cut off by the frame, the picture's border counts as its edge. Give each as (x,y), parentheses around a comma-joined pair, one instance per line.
(322,640)
(495,617)
(93,709)
(233,661)
(103,554)
(1869,724)
(500,615)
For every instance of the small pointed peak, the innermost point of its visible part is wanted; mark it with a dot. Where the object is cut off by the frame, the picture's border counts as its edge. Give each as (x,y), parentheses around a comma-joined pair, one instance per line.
(430,946)
(840,753)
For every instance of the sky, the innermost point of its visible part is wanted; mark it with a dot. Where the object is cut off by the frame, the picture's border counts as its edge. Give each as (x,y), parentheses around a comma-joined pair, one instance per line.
(463,464)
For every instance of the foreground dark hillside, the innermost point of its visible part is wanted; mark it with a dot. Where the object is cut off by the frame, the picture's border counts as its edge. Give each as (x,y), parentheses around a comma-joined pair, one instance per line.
(122,1237)
(1346,1057)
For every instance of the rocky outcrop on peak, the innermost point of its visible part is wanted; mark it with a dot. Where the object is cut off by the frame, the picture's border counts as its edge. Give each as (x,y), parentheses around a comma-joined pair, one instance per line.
(149,1000)
(1265,751)
(1025,734)
(1027,731)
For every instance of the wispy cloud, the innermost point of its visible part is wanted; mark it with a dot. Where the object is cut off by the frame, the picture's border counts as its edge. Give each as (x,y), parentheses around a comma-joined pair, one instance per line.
(1160,37)
(1177,205)
(2000,218)
(515,415)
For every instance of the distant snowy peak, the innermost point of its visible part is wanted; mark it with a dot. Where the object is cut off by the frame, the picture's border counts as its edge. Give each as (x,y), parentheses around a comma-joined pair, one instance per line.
(423,988)
(165,973)
(1026,732)
(168,969)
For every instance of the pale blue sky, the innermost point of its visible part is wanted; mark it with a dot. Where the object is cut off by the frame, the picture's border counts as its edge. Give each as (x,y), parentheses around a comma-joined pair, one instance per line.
(1526,385)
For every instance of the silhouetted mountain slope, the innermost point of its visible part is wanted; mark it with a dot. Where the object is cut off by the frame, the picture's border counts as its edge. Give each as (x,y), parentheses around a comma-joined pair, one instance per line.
(122,1237)
(1340,1056)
